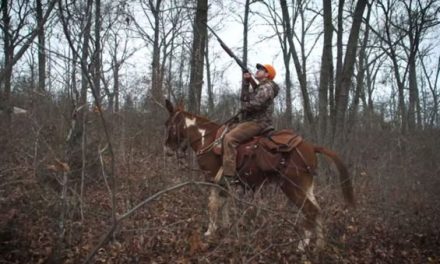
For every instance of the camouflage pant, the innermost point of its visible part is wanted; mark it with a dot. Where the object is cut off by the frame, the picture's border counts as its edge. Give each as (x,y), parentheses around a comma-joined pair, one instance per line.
(239,134)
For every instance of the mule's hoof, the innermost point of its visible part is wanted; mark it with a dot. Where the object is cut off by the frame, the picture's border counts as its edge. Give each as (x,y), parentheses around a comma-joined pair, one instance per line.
(209,233)
(301,247)
(320,244)
(303,244)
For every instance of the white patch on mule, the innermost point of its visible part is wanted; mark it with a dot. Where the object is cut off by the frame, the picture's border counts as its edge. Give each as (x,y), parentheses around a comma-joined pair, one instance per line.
(213,207)
(303,243)
(202,135)
(189,122)
(311,196)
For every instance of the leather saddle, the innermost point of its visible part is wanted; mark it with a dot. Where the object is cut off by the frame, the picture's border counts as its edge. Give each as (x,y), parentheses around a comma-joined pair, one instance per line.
(264,150)
(284,140)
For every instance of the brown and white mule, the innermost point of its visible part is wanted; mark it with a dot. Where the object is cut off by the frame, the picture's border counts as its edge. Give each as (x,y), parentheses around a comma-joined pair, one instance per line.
(295,176)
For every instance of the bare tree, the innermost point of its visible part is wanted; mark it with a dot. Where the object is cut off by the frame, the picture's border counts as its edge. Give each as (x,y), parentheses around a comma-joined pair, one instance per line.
(326,75)
(359,84)
(209,84)
(97,53)
(154,9)
(277,21)
(176,20)
(401,36)
(25,40)
(8,49)
(41,48)
(197,56)
(344,83)
(14,37)
(115,26)
(165,23)
(422,15)
(434,118)
(300,65)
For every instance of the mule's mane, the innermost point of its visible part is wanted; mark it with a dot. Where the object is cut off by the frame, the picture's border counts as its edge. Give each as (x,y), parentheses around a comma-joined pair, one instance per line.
(203,119)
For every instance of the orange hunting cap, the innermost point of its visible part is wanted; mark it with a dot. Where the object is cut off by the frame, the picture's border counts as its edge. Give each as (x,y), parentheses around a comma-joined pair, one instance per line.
(268,68)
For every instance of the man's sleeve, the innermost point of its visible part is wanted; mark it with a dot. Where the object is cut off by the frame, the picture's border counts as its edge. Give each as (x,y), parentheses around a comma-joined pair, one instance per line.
(264,93)
(245,91)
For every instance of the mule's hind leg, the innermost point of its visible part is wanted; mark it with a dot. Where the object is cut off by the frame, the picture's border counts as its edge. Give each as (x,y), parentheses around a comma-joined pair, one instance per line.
(225,202)
(218,201)
(213,208)
(299,189)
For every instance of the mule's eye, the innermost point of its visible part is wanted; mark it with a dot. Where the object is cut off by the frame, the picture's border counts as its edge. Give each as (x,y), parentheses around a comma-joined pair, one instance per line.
(172,130)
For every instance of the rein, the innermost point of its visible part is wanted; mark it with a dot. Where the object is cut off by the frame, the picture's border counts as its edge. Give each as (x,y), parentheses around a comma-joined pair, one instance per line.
(212,144)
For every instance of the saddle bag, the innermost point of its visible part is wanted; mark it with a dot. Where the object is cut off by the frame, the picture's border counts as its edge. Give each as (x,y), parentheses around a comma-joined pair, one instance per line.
(267,160)
(284,140)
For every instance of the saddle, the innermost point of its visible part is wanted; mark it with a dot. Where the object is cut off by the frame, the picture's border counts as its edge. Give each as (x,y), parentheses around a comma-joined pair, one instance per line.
(266,149)
(284,140)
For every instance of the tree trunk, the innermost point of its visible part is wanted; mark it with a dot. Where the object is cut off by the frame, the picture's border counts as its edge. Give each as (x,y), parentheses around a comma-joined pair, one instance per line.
(339,64)
(208,78)
(26,43)
(116,87)
(302,78)
(413,105)
(244,85)
(156,84)
(433,117)
(413,94)
(348,69)
(359,90)
(85,52)
(181,86)
(41,48)
(326,70)
(76,130)
(197,56)
(5,96)
(288,81)
(97,53)
(170,91)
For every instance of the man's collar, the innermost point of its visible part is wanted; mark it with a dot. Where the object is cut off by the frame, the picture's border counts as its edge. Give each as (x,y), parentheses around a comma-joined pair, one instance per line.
(265,80)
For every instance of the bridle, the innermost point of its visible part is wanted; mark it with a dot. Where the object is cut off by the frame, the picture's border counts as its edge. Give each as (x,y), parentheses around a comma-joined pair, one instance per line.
(207,148)
(176,130)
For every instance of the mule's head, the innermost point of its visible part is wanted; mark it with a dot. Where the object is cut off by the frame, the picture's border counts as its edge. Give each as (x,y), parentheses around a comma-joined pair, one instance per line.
(176,140)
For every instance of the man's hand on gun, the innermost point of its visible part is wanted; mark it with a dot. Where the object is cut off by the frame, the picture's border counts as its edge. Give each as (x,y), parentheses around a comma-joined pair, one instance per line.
(247,76)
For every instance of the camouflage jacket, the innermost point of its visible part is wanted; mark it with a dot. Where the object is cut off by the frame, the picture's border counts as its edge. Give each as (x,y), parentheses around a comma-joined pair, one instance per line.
(258,105)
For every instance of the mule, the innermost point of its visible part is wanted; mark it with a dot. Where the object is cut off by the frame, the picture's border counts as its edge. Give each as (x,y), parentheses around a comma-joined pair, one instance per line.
(294,173)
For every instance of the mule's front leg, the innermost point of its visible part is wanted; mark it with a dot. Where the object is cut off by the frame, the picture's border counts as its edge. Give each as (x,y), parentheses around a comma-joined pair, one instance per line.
(213,207)
(225,203)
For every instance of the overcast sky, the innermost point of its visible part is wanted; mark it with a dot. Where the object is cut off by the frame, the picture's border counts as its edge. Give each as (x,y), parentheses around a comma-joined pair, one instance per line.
(225,16)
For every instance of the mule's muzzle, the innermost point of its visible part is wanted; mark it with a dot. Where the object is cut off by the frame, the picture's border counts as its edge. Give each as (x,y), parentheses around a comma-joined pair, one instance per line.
(179,153)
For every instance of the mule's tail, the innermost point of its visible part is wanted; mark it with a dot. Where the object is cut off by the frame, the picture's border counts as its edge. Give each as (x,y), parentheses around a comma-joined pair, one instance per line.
(344,177)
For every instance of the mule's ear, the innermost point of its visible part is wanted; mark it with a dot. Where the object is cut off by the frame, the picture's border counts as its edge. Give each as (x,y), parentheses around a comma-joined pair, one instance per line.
(180,104)
(169,106)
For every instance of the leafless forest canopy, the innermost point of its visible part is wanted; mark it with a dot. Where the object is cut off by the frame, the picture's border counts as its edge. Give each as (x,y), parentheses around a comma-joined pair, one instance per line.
(82,88)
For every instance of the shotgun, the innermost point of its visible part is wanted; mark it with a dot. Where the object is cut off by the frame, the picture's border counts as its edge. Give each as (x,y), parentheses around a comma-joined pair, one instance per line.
(253,82)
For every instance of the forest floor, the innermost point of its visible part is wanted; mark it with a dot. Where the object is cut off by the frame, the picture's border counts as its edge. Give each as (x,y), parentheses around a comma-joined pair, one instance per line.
(397,220)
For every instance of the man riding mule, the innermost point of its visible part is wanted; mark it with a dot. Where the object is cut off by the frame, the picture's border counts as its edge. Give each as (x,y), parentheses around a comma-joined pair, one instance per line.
(292,167)
(256,112)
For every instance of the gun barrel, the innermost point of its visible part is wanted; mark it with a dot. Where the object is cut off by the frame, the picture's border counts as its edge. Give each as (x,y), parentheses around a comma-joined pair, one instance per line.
(231,54)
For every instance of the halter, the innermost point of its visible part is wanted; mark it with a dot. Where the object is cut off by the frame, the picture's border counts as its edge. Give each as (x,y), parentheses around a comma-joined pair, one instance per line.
(216,141)
(209,147)
(185,127)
